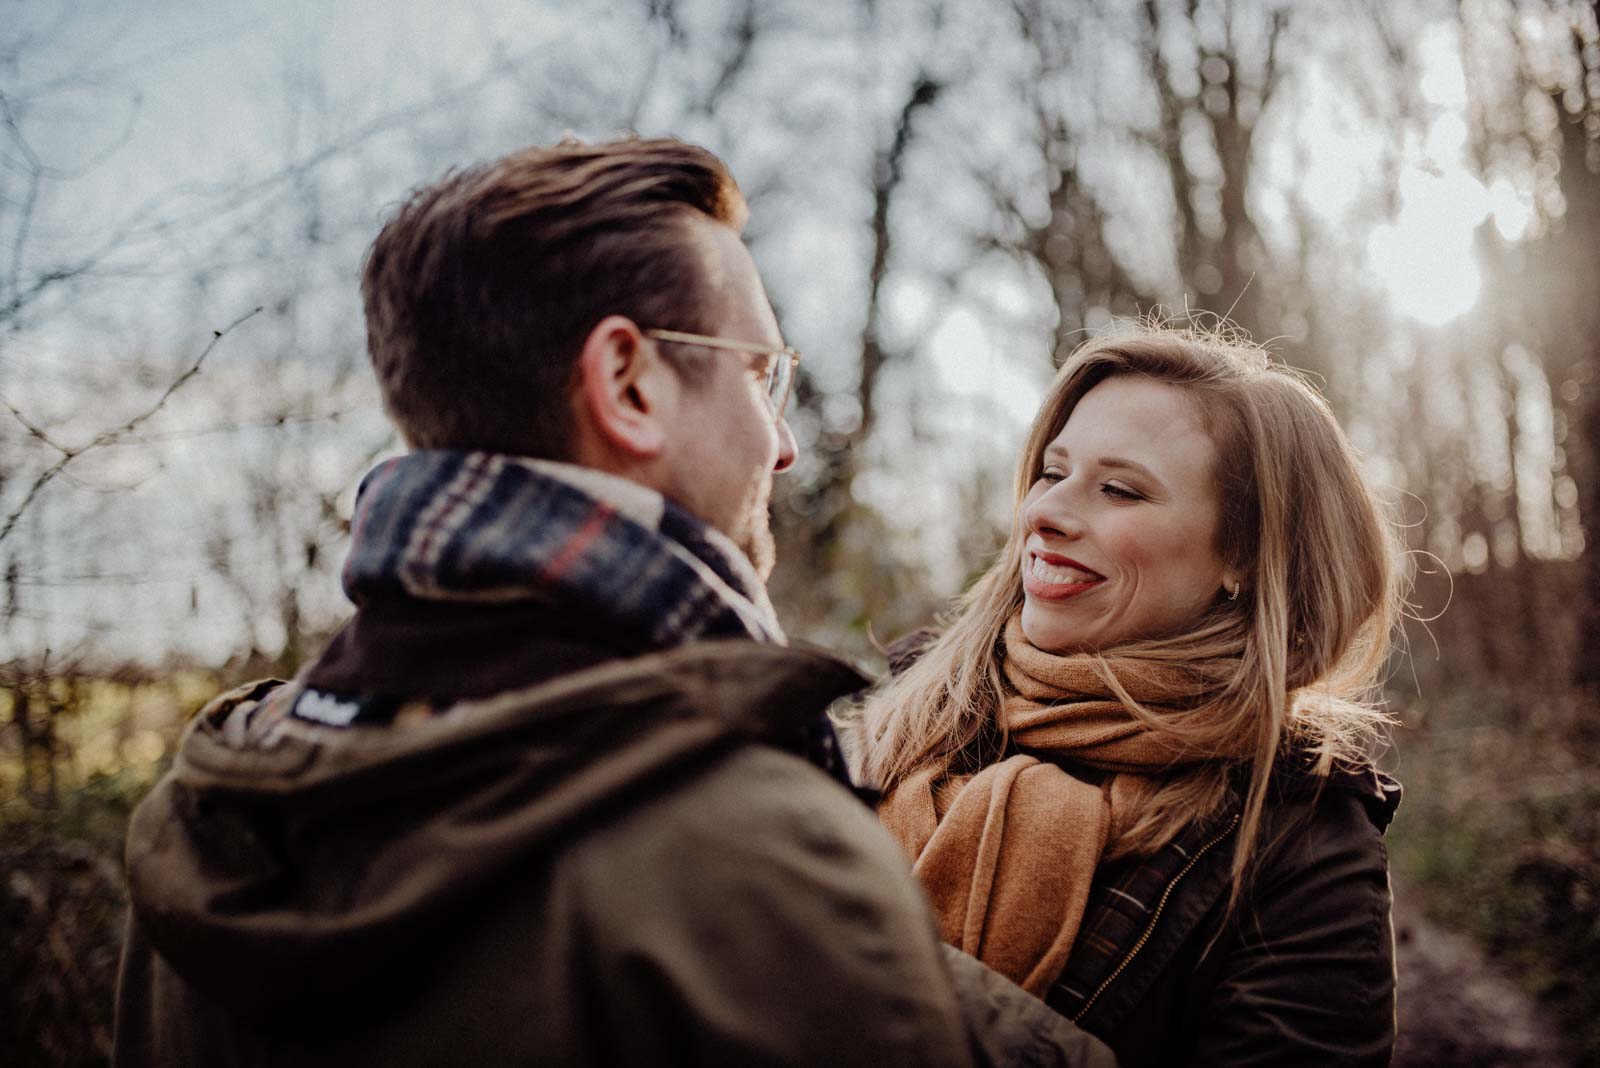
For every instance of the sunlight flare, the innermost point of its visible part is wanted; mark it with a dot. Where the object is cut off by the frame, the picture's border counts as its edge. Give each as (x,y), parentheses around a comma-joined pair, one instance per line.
(1425,259)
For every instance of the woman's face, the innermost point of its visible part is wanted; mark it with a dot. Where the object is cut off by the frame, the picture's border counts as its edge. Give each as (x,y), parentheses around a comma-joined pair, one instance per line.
(1122,523)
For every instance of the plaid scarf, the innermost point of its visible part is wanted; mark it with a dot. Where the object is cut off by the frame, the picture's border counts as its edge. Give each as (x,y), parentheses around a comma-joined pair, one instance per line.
(490,528)
(485,527)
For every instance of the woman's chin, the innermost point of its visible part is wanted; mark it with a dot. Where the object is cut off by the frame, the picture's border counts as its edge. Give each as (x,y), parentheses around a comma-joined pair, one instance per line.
(1045,630)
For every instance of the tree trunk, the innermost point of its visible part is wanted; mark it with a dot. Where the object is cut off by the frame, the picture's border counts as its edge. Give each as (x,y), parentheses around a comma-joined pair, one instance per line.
(1577,258)
(1581,183)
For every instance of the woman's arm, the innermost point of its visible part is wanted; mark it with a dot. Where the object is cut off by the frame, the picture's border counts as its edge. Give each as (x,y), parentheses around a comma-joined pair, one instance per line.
(1307,975)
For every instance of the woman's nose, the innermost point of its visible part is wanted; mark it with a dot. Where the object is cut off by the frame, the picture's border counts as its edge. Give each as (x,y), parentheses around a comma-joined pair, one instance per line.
(1053,513)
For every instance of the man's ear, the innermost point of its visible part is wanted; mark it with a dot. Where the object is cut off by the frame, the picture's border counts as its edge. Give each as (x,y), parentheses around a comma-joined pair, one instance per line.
(625,389)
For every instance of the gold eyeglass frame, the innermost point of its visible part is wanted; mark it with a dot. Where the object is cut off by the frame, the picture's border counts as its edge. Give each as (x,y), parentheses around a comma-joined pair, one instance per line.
(753,348)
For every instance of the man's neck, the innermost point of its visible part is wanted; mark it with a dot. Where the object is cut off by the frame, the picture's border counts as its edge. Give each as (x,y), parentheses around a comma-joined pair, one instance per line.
(630,498)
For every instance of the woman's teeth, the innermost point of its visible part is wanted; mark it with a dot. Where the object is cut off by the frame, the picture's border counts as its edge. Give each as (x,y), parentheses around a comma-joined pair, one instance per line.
(1056,573)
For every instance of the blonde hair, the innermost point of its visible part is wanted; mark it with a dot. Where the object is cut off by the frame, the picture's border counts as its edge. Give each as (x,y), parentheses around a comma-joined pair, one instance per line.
(1292,663)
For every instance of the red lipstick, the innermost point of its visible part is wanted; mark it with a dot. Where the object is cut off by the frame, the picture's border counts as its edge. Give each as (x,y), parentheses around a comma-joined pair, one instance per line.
(1042,578)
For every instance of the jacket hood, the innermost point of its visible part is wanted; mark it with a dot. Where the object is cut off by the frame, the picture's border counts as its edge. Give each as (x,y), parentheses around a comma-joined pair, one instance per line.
(1378,791)
(273,878)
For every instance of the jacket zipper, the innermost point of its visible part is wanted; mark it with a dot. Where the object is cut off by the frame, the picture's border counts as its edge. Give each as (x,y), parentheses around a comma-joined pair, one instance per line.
(1155,917)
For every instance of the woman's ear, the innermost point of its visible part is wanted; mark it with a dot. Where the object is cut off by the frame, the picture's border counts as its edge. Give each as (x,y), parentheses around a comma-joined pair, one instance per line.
(626,393)
(1232,584)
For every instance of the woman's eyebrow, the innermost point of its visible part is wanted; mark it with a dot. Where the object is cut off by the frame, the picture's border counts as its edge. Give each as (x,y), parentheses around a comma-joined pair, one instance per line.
(1060,453)
(1128,465)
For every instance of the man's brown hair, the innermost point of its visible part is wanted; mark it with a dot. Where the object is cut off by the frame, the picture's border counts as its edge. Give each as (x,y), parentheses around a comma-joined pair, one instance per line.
(481,289)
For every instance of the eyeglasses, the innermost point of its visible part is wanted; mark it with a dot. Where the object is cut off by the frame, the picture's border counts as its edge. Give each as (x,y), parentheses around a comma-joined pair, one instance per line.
(779,372)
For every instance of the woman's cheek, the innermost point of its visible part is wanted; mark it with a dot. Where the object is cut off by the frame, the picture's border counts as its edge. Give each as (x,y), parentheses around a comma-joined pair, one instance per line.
(1144,542)
(1132,542)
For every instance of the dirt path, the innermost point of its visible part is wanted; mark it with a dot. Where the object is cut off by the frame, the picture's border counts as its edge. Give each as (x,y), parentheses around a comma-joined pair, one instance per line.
(1457,1009)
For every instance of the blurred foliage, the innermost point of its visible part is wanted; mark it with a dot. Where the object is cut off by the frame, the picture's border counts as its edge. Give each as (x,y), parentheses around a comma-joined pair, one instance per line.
(62,905)
(1499,835)
(61,733)
(76,754)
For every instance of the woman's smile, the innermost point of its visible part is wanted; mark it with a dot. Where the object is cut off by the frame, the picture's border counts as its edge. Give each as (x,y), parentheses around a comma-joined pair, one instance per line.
(1052,577)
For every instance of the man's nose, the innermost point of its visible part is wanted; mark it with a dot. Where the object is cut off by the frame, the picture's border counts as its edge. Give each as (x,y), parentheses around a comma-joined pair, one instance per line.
(787,449)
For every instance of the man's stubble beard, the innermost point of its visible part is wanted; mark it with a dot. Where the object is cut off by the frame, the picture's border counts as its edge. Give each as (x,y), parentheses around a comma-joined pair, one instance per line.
(756,540)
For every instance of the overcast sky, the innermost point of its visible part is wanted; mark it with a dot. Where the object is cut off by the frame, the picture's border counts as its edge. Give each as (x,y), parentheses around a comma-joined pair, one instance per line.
(167,110)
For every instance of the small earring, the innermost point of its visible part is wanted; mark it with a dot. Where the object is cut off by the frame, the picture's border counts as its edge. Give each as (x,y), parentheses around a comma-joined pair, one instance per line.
(1233,595)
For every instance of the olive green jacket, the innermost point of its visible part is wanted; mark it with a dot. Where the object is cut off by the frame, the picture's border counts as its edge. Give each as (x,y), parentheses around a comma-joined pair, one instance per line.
(615,865)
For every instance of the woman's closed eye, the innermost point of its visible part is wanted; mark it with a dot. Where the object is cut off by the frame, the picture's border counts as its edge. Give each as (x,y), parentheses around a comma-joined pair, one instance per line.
(1120,493)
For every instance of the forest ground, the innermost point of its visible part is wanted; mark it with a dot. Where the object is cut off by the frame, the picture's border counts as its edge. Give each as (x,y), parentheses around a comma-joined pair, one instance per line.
(1457,1008)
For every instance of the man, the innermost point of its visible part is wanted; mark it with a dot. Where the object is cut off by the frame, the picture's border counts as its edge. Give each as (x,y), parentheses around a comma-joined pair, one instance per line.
(559,792)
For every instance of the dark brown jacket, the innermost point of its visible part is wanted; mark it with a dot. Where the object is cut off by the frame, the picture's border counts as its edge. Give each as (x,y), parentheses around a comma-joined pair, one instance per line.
(614,862)
(1301,973)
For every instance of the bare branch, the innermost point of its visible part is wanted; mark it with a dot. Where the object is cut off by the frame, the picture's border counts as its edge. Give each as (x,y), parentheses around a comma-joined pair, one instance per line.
(282,420)
(743,31)
(1274,70)
(33,428)
(888,172)
(1170,141)
(111,436)
(166,212)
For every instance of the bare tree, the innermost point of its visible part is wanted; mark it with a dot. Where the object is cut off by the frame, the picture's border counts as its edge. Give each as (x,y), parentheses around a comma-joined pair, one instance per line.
(824,527)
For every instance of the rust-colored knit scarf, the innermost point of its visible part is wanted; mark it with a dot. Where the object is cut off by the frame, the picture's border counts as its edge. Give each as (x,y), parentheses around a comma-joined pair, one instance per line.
(1007,855)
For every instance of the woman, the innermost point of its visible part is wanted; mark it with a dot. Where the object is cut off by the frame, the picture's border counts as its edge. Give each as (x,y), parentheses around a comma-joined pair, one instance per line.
(1132,771)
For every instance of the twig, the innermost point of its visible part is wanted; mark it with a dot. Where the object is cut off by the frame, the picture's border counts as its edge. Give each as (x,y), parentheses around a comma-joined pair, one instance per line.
(32,428)
(108,437)
(287,419)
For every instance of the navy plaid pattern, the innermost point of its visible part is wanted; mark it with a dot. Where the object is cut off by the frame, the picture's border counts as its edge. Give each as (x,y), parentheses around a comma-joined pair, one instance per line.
(483,527)
(474,526)
(1122,906)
